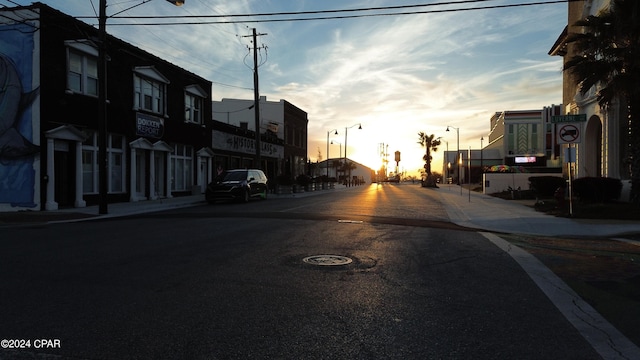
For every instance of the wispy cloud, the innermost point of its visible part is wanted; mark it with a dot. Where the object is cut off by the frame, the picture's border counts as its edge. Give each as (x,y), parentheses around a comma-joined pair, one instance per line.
(396,75)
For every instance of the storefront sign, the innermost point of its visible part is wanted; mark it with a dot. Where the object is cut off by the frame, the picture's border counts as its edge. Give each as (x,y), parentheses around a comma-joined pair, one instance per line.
(149,126)
(240,144)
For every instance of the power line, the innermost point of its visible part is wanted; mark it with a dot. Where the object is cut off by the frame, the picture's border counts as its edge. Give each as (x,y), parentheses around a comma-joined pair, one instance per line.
(307,12)
(336,17)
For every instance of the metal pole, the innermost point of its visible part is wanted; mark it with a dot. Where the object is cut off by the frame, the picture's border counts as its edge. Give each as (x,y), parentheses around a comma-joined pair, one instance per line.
(102,109)
(571,157)
(460,160)
(256,98)
(328,155)
(469,166)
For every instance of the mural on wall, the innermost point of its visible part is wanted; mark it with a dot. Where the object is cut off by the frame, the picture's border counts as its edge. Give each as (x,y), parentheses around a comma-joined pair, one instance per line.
(18,148)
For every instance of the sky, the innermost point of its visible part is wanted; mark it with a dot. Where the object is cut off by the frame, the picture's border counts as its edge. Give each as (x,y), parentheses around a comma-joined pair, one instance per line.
(395,75)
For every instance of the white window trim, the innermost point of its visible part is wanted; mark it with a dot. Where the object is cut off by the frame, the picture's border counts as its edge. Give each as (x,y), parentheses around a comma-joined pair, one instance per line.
(150,74)
(86,49)
(110,150)
(196,92)
(175,158)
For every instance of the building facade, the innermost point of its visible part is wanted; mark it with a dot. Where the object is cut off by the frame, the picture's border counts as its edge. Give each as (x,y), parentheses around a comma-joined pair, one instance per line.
(335,170)
(158,142)
(526,137)
(283,136)
(601,149)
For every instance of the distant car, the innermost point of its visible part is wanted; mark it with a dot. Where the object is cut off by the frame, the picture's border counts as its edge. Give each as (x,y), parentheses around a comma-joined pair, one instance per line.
(241,184)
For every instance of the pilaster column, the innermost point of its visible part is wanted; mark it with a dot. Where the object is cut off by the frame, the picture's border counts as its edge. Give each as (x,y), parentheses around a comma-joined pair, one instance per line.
(132,181)
(169,178)
(152,176)
(79,203)
(51,204)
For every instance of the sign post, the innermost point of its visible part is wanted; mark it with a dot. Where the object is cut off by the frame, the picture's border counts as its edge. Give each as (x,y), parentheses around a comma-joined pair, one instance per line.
(570,155)
(569,131)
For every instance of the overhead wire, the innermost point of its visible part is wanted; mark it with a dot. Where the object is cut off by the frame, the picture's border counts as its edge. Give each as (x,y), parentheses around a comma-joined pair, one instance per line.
(336,17)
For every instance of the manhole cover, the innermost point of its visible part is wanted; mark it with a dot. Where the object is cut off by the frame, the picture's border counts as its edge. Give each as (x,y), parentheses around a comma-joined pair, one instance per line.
(327,260)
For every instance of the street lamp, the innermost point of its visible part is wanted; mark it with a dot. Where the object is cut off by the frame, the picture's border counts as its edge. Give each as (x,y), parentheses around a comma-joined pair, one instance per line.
(329,132)
(458,141)
(337,142)
(102,105)
(359,125)
(481,159)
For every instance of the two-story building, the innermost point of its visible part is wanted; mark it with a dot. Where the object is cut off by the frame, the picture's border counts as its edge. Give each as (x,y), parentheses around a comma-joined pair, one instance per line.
(158,141)
(283,136)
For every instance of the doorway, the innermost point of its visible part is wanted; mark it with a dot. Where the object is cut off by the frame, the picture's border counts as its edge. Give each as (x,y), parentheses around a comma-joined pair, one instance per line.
(64,174)
(593,147)
(141,174)
(159,174)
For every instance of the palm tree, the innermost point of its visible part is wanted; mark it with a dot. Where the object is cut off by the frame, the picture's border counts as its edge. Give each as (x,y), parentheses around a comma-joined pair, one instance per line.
(347,167)
(607,54)
(431,144)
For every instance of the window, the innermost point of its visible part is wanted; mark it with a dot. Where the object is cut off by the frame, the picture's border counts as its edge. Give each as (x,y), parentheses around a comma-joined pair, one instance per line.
(115,151)
(193,109)
(82,72)
(149,87)
(182,167)
(193,99)
(149,95)
(90,165)
(511,141)
(534,137)
(115,164)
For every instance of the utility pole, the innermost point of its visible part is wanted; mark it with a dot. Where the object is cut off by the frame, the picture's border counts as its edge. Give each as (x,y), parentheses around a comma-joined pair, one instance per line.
(102,109)
(256,96)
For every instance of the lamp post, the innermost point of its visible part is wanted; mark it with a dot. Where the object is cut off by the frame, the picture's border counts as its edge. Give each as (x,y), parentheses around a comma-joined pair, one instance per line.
(329,132)
(458,141)
(481,160)
(337,142)
(359,125)
(103,165)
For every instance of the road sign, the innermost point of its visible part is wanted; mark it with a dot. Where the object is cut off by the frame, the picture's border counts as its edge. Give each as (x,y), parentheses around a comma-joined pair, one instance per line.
(569,133)
(569,118)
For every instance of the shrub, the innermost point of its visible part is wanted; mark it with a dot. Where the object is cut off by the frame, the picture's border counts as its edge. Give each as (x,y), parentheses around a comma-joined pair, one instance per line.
(545,186)
(597,189)
(303,180)
(284,180)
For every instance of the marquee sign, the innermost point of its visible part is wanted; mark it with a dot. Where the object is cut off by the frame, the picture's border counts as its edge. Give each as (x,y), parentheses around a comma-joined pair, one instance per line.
(240,144)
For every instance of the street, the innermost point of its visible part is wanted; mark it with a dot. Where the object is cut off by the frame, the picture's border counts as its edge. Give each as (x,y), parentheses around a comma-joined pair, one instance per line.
(228,281)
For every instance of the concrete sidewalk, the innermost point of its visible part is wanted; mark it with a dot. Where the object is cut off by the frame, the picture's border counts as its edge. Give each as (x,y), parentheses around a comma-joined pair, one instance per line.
(128,208)
(479,211)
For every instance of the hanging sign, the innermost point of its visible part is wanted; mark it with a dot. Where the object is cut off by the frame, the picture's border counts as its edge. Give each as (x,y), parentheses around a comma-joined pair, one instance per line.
(149,126)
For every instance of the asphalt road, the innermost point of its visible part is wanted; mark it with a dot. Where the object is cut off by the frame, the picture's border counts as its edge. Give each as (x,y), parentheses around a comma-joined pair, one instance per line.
(228,281)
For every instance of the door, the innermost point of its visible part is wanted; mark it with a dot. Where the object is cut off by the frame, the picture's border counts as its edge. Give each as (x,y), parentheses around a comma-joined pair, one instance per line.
(159,175)
(64,174)
(141,174)
(204,175)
